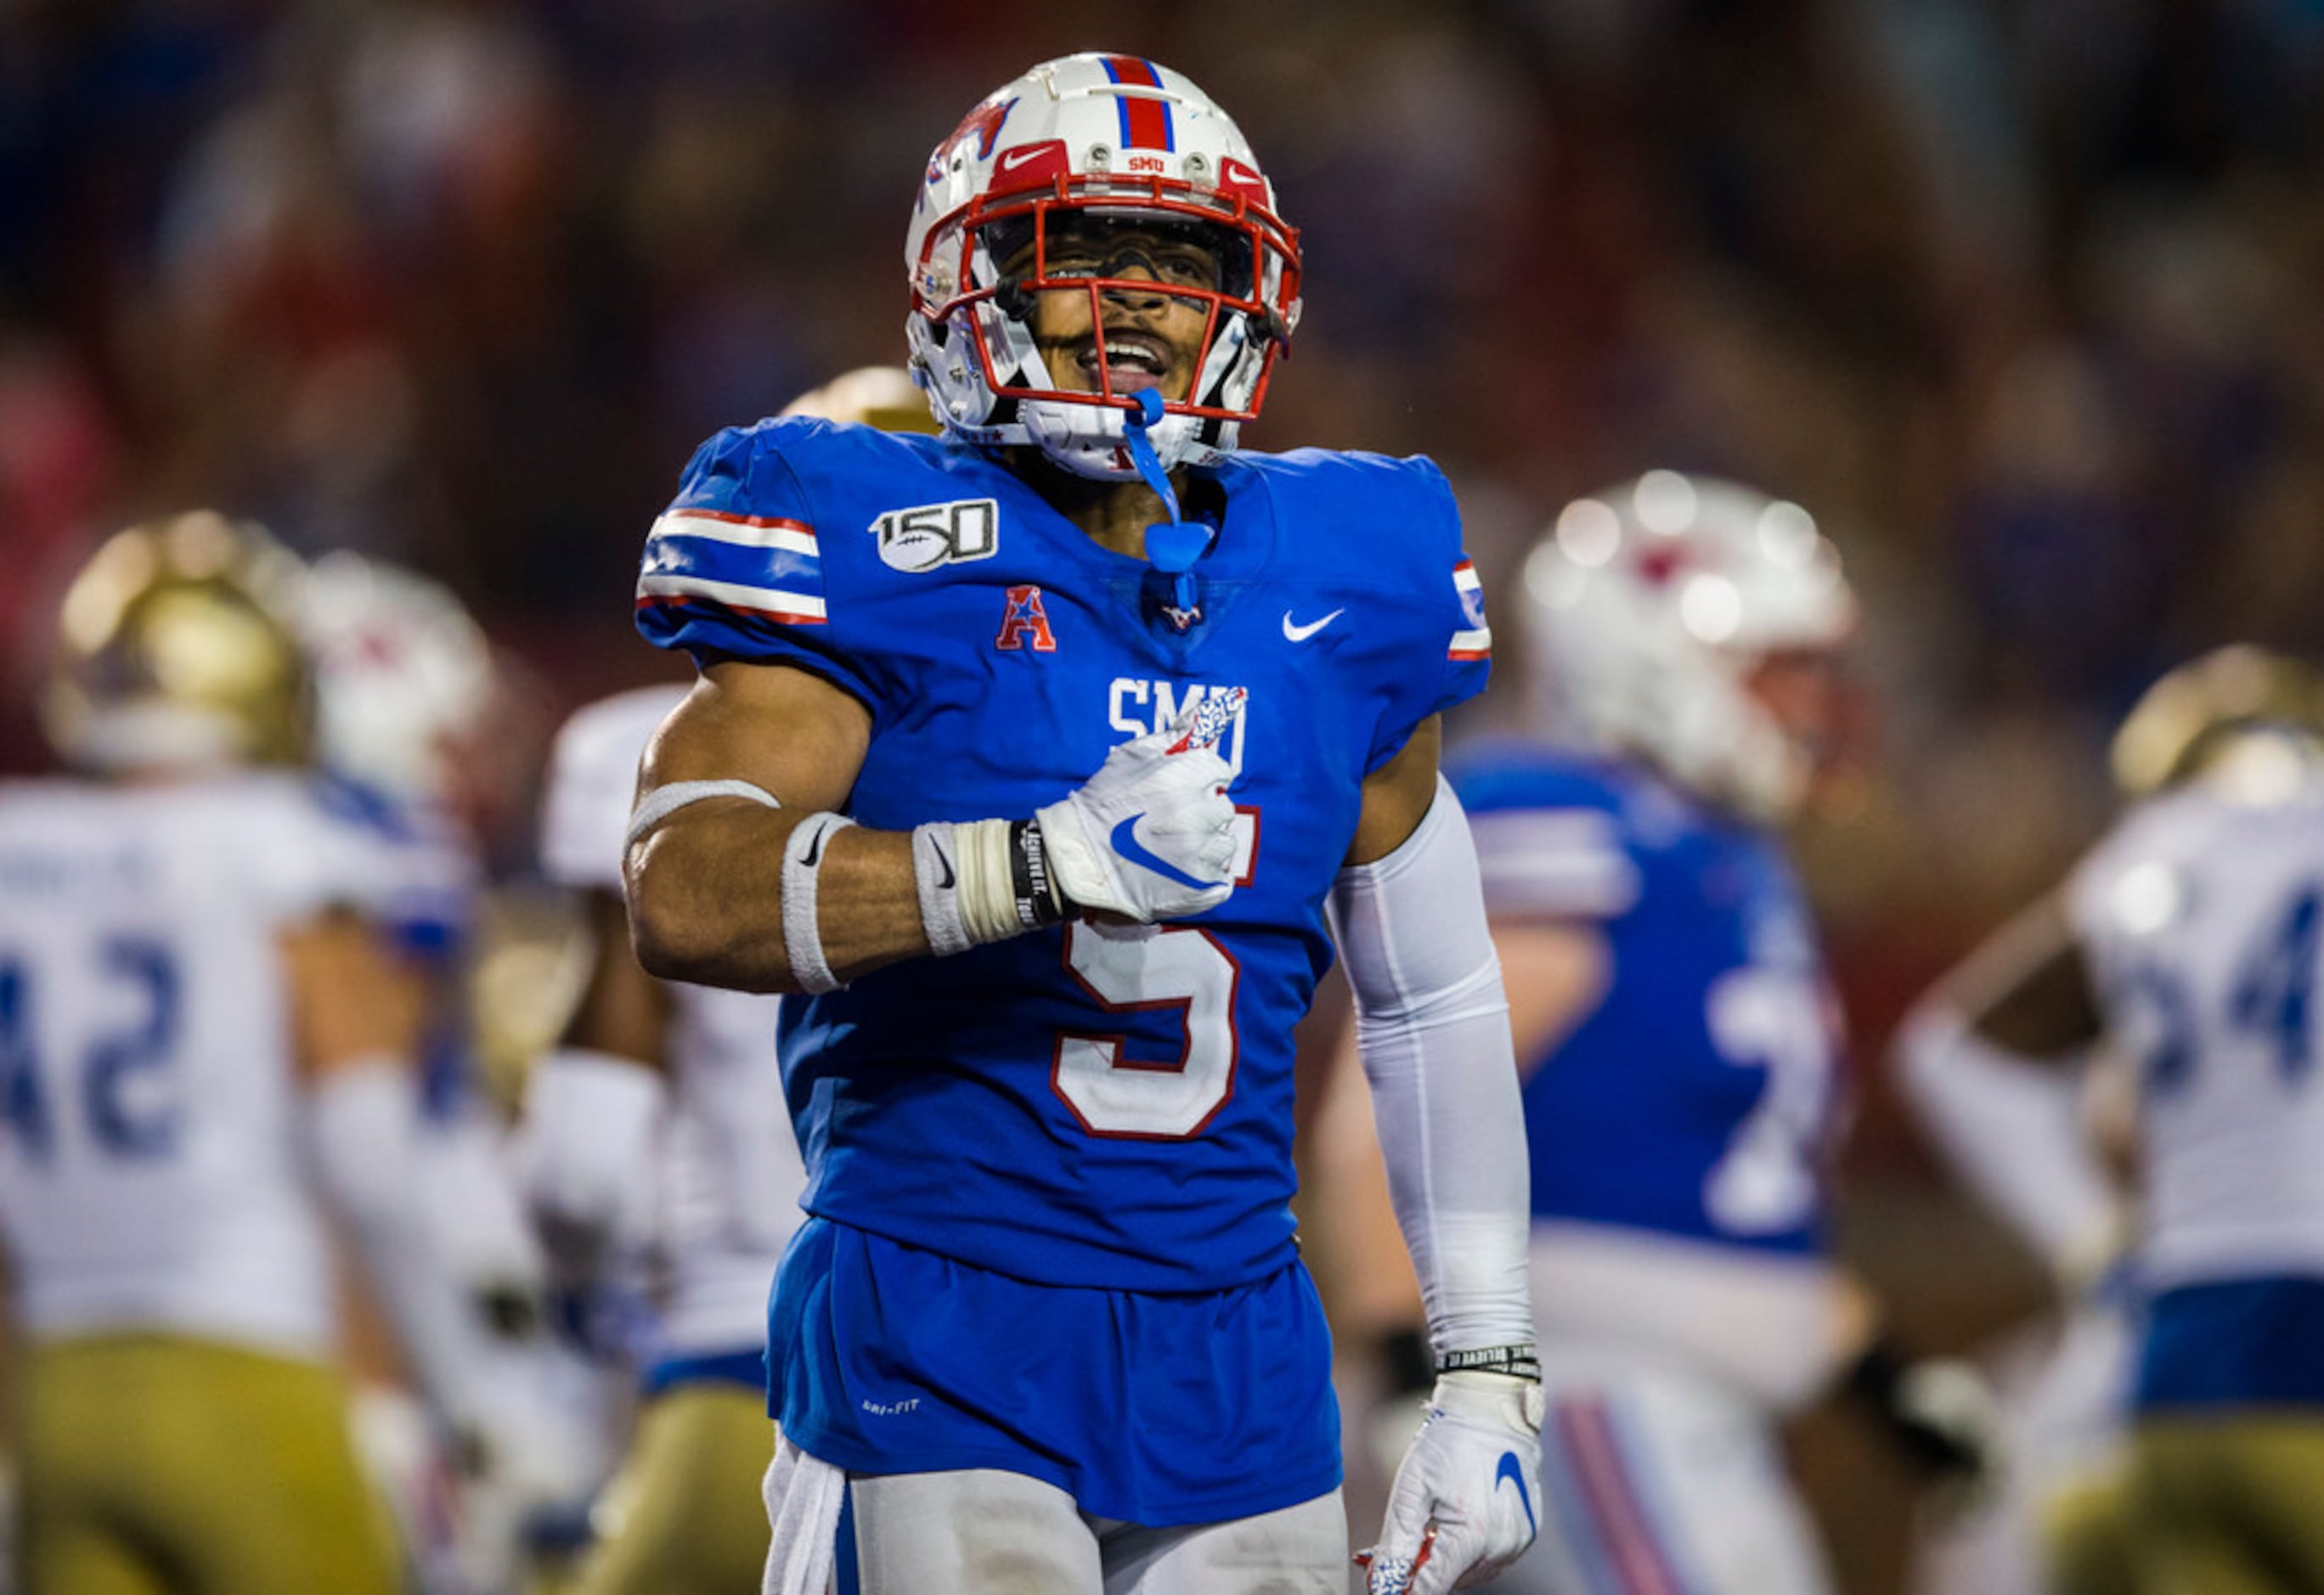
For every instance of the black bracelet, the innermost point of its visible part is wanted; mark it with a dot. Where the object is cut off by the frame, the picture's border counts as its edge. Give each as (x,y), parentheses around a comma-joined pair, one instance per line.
(1523,1361)
(1875,1375)
(1035,890)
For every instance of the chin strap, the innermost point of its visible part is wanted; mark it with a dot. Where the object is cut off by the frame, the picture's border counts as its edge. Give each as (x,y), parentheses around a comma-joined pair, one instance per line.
(1172,546)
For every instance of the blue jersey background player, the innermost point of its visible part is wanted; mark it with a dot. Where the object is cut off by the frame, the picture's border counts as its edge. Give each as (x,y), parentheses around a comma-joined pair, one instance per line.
(1033,757)
(1677,1035)
(1693,1100)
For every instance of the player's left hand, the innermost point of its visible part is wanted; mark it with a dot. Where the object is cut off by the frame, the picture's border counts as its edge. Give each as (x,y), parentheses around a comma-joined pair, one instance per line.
(1942,1416)
(1462,1506)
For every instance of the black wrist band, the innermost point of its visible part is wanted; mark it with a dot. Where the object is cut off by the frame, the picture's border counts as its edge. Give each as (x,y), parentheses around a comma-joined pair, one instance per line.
(1034,889)
(1523,1362)
(1875,1376)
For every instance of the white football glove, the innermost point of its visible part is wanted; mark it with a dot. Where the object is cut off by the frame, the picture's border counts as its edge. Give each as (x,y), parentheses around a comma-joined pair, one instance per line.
(1151,835)
(1466,1501)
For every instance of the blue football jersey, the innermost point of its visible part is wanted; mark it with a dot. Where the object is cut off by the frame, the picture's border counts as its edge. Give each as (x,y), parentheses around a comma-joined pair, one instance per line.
(1081,1106)
(1695,1100)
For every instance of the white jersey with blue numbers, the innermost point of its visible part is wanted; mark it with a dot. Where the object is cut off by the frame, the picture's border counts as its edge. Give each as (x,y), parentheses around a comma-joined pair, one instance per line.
(2203,923)
(730,1174)
(150,1157)
(1075,1107)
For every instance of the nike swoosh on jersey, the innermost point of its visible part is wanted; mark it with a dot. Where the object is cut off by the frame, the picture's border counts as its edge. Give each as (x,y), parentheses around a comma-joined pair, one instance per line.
(1297,633)
(1512,1471)
(1125,842)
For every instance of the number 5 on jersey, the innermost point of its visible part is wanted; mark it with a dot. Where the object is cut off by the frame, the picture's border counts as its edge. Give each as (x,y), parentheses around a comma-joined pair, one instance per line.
(1147,968)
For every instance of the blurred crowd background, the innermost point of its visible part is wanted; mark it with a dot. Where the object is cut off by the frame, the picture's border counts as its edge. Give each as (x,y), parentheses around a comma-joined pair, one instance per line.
(2017,297)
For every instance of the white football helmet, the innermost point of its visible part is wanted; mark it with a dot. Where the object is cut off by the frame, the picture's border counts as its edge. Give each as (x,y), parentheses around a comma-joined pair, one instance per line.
(403,674)
(1650,606)
(1118,137)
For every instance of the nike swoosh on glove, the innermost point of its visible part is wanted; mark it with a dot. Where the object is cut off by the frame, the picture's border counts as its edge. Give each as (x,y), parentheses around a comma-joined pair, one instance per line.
(1466,1499)
(1151,835)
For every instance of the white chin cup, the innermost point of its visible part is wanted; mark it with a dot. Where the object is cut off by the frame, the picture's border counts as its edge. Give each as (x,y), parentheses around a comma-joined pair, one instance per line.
(1086,438)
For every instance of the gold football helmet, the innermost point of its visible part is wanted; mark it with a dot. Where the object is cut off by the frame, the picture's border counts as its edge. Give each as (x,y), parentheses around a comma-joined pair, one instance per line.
(2240,711)
(174,651)
(882,396)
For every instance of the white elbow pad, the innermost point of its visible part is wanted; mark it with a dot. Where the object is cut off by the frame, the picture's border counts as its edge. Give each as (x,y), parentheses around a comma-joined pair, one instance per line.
(1432,1024)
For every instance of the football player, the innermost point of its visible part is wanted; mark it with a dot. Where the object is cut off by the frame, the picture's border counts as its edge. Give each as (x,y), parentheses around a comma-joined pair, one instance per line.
(205,1043)
(1676,1033)
(1032,758)
(409,700)
(663,1117)
(2188,939)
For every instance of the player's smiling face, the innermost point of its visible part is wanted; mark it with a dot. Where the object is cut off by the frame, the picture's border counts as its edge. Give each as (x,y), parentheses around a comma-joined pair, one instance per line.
(1152,336)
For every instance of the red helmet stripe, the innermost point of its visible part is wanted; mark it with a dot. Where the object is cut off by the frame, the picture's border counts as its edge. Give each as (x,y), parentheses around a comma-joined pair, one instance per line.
(1145,123)
(1130,69)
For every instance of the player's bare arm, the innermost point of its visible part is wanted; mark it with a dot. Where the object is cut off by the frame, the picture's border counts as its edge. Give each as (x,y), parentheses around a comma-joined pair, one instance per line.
(356,1012)
(1398,794)
(2027,987)
(768,890)
(1991,1058)
(706,885)
(1556,972)
(353,1001)
(593,1103)
(623,1012)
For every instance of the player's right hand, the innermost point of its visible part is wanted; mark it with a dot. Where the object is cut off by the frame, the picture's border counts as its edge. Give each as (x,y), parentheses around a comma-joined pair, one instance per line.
(1151,835)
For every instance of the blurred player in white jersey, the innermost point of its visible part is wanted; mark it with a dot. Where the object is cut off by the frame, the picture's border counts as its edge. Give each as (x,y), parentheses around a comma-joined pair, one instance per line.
(1678,1037)
(409,698)
(667,1097)
(407,693)
(2188,939)
(204,1042)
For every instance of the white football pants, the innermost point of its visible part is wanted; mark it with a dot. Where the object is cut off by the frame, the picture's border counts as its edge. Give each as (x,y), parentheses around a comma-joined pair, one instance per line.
(1656,1481)
(983,1532)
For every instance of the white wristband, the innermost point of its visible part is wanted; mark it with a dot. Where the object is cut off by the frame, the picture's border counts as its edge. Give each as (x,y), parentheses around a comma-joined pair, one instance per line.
(660,804)
(803,858)
(937,875)
(980,880)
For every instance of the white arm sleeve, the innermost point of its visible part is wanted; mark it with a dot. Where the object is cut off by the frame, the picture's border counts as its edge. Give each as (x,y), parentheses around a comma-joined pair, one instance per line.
(1433,1028)
(2013,1127)
(361,1119)
(583,1151)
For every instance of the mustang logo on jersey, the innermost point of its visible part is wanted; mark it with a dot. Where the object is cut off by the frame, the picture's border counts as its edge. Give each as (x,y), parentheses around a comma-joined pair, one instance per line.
(1212,714)
(931,535)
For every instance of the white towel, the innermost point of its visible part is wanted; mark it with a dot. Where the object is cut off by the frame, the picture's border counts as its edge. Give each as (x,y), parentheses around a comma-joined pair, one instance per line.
(803,1496)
